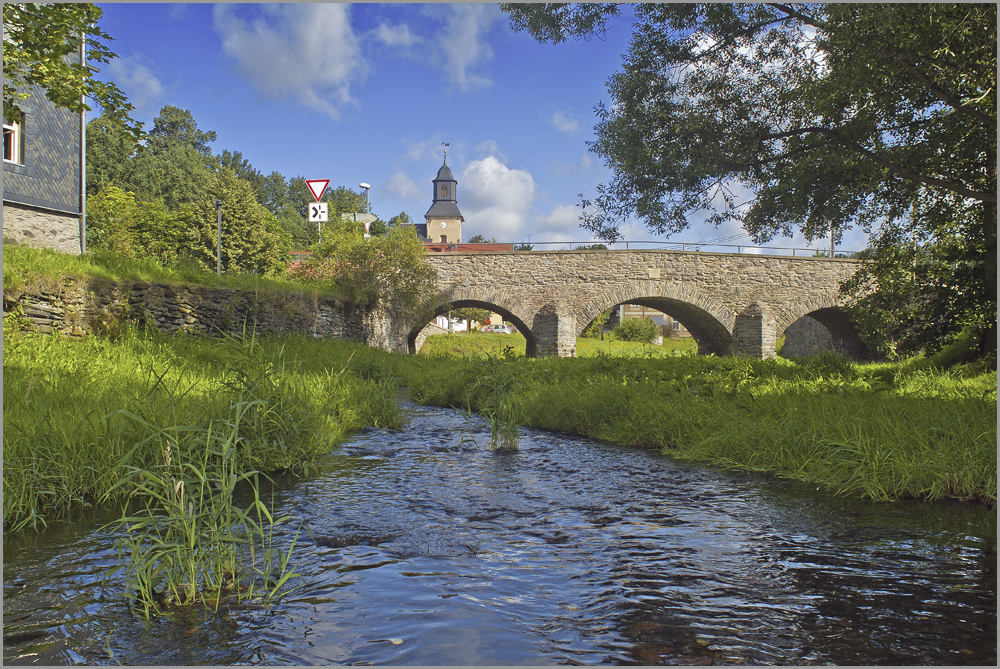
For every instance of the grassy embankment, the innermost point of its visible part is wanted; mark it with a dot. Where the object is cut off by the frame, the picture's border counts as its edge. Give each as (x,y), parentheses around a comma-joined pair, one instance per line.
(81,417)
(884,430)
(24,266)
(486,344)
(78,414)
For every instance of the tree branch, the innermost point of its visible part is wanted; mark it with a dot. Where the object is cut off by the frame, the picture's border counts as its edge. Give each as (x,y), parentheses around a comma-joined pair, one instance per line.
(898,170)
(945,97)
(808,20)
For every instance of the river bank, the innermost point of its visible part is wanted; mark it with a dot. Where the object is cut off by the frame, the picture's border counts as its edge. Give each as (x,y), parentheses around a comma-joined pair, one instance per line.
(880,430)
(74,411)
(80,414)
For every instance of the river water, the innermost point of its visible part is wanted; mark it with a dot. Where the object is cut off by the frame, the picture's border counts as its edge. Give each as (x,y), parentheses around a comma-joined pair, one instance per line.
(429,550)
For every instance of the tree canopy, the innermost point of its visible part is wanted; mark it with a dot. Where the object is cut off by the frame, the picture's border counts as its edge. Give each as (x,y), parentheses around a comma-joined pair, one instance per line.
(801,117)
(41,43)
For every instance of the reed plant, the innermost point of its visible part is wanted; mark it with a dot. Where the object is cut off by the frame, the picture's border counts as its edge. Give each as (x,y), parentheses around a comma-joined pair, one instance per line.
(192,542)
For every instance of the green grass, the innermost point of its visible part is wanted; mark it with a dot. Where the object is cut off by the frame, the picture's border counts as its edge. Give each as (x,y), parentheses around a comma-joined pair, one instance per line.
(75,410)
(25,266)
(882,431)
(483,344)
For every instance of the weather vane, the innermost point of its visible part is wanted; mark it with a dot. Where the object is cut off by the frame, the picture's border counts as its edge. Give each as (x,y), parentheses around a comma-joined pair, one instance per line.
(446,145)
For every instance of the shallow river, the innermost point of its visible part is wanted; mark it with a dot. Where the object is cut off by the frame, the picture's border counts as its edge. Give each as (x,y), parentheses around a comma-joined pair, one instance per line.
(431,551)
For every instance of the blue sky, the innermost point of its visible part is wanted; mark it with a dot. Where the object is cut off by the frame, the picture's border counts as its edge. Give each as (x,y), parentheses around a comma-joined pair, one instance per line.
(369,92)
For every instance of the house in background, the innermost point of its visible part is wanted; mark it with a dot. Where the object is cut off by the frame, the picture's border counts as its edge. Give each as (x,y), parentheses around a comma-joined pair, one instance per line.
(43,167)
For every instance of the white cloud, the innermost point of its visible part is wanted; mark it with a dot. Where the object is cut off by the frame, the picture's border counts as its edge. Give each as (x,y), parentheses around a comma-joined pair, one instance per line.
(494,199)
(397,35)
(308,50)
(565,121)
(463,46)
(143,88)
(562,224)
(401,185)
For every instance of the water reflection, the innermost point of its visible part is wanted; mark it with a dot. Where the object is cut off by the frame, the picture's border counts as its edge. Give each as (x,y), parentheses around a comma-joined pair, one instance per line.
(430,551)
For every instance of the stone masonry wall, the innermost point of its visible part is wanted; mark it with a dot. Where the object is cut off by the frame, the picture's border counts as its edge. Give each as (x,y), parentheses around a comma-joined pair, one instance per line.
(77,308)
(806,336)
(31,226)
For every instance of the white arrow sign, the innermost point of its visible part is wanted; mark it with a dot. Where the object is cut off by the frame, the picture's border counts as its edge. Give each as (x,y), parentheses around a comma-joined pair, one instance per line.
(317,186)
(317,212)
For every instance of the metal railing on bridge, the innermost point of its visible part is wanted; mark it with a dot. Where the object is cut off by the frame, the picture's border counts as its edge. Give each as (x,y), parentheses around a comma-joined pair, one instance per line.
(750,249)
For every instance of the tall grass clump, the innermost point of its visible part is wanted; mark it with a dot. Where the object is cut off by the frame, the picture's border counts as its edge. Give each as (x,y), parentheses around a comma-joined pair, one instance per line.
(67,442)
(192,542)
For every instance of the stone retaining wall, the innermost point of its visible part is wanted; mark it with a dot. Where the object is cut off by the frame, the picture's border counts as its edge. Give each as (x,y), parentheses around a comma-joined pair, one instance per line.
(80,307)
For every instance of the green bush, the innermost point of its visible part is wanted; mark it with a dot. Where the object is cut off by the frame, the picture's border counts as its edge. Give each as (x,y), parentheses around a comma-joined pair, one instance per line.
(637,329)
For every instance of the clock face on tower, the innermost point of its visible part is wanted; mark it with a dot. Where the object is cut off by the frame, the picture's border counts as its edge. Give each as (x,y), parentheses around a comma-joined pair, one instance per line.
(443,225)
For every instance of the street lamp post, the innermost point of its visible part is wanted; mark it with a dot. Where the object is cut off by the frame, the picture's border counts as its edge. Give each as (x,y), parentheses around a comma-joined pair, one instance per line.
(368,205)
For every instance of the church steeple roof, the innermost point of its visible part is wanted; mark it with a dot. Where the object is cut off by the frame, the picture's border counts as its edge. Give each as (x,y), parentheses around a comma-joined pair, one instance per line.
(445,195)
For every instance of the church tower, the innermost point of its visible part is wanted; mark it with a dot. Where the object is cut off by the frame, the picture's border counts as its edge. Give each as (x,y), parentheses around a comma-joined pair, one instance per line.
(444,220)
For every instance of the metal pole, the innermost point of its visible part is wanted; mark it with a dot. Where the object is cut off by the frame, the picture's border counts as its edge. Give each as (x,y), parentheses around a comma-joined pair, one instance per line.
(218,246)
(831,239)
(83,159)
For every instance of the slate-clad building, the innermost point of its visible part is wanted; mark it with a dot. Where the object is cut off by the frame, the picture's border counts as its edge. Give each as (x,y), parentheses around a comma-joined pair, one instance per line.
(42,175)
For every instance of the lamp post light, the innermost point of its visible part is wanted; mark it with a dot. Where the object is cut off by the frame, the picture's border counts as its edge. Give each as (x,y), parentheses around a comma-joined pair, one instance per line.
(218,245)
(368,206)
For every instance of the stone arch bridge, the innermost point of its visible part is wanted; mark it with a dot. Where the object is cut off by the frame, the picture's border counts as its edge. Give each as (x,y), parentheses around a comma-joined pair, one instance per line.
(733,304)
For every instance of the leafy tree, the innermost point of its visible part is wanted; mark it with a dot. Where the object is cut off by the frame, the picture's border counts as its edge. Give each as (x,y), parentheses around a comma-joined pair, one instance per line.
(111,151)
(596,326)
(275,190)
(176,127)
(805,117)
(39,45)
(244,170)
(303,233)
(523,247)
(480,239)
(470,314)
(252,239)
(116,222)
(402,218)
(343,200)
(390,272)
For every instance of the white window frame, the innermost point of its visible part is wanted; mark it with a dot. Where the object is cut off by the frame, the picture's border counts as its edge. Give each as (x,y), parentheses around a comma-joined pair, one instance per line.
(13,131)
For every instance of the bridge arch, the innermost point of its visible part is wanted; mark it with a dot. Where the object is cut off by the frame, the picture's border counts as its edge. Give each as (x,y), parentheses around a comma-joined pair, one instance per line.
(710,323)
(830,312)
(489,300)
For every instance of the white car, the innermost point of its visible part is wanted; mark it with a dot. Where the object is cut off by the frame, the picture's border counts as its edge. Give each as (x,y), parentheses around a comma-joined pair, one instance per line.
(497,329)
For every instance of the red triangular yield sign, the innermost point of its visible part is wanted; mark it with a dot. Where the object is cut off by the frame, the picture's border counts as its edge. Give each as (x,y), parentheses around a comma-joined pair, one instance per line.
(317,186)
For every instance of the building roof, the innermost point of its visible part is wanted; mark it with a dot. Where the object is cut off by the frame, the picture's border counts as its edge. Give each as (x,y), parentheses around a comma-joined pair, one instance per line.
(444,209)
(444,174)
